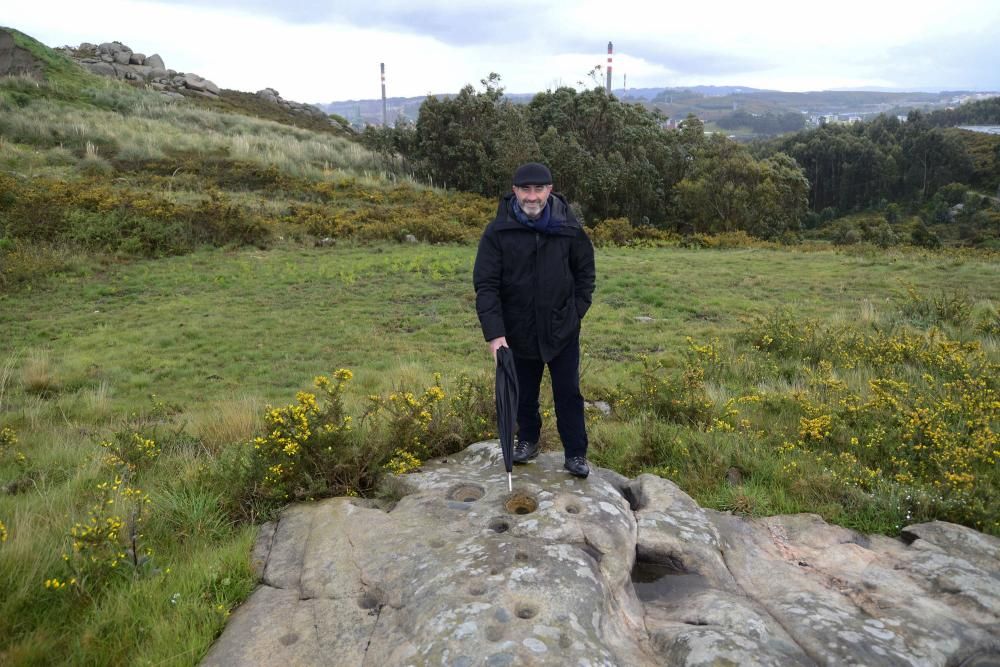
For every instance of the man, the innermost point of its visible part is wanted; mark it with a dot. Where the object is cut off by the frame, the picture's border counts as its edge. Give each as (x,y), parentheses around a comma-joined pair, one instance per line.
(534,277)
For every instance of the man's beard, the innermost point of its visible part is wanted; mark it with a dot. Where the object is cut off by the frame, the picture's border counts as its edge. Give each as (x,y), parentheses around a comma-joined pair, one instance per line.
(533,209)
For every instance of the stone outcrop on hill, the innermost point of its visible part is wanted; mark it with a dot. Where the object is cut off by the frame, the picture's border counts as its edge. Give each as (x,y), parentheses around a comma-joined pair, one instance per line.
(271,95)
(117,60)
(114,59)
(602,571)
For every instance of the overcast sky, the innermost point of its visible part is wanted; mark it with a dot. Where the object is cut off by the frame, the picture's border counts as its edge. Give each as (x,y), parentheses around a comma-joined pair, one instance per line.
(323,51)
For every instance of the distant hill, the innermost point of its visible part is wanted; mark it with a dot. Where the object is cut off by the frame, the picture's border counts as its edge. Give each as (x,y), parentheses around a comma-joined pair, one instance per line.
(710,103)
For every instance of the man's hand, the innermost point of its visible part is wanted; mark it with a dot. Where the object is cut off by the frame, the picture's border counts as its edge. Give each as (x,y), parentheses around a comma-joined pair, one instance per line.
(496,344)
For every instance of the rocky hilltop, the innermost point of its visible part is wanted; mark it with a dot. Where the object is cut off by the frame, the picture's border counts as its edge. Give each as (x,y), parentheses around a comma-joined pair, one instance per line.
(117,60)
(114,59)
(603,571)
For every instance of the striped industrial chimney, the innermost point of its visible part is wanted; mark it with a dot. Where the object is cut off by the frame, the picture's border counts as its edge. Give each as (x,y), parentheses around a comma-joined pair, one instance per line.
(610,50)
(385,118)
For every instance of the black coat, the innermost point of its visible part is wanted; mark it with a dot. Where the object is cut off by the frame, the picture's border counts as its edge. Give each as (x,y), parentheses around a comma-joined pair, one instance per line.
(533,288)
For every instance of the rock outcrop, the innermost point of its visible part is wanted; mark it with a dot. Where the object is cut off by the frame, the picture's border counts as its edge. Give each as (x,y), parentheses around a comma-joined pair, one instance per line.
(117,60)
(298,108)
(602,571)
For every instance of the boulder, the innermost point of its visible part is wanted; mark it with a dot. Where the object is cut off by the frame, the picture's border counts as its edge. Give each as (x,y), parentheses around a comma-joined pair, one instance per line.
(154,61)
(137,59)
(602,571)
(193,82)
(122,57)
(102,68)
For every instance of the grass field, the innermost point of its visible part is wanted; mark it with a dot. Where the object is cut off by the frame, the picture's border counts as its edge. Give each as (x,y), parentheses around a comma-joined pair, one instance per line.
(216,335)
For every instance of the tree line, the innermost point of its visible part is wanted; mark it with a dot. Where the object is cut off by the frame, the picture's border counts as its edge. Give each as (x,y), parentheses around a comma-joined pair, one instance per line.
(981,112)
(611,159)
(615,160)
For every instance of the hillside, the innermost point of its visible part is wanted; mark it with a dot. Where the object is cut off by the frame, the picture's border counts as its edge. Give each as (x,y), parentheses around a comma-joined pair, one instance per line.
(110,167)
(70,68)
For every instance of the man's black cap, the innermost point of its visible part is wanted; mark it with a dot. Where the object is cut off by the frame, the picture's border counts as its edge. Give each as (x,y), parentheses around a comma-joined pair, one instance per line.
(532,173)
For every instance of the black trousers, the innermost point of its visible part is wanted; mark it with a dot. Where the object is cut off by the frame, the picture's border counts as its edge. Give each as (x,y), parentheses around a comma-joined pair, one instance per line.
(564,371)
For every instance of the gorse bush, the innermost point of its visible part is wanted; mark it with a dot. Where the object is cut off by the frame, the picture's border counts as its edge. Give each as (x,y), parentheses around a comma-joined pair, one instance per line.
(98,215)
(924,420)
(315,447)
(109,541)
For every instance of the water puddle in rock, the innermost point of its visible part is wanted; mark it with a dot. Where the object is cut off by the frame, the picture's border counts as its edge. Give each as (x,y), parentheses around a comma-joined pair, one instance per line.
(653,581)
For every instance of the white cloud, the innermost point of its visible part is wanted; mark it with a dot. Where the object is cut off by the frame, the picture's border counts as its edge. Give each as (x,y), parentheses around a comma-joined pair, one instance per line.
(438,46)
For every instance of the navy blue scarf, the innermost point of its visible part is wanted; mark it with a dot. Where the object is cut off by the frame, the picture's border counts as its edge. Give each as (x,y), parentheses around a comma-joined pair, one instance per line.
(544,224)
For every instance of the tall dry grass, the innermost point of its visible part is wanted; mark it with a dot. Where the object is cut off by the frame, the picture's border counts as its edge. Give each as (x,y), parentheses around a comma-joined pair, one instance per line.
(235,420)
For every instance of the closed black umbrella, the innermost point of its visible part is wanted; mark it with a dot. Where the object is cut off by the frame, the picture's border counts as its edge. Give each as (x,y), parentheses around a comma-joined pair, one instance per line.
(506,390)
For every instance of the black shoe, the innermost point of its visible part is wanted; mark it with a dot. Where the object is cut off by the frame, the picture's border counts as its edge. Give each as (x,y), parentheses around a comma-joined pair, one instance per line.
(524,451)
(577,466)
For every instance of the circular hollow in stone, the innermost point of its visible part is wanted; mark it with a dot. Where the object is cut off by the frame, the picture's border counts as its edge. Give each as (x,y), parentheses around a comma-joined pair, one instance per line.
(368,601)
(525,610)
(477,589)
(499,525)
(573,509)
(436,543)
(494,633)
(522,555)
(466,493)
(520,503)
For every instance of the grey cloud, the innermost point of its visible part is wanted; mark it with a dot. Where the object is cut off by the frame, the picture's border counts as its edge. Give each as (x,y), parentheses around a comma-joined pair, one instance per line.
(679,58)
(488,22)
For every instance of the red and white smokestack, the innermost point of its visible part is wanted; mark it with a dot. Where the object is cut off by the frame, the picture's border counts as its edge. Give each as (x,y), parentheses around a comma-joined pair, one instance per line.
(610,51)
(385,117)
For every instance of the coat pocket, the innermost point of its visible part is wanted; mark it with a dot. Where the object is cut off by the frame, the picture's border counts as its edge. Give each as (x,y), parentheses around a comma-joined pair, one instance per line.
(564,321)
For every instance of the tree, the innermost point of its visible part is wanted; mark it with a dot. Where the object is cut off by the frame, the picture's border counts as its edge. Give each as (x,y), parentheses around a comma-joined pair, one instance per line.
(474,140)
(727,190)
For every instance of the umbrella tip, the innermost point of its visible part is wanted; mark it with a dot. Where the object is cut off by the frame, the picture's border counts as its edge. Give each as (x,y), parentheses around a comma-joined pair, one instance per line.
(510,483)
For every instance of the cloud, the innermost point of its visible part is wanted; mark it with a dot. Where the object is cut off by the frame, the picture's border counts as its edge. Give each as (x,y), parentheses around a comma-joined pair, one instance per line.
(458,24)
(956,61)
(322,51)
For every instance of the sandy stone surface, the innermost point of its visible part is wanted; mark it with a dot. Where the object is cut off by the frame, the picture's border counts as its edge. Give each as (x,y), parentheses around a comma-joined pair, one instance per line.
(602,571)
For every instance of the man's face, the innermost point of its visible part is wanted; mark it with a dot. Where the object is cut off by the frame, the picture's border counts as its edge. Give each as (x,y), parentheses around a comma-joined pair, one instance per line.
(532,198)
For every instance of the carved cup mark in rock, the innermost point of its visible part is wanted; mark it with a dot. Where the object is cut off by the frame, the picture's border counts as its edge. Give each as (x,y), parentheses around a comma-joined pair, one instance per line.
(526,610)
(573,509)
(520,503)
(499,525)
(368,600)
(466,493)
